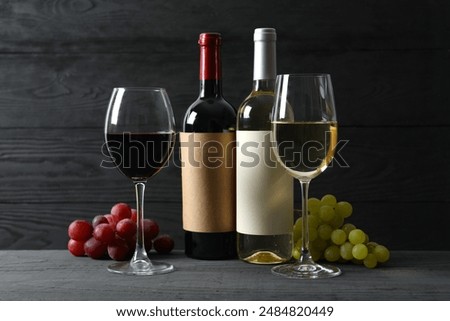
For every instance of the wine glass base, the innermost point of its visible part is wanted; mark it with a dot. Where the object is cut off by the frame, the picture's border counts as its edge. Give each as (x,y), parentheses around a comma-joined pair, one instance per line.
(141,268)
(306,271)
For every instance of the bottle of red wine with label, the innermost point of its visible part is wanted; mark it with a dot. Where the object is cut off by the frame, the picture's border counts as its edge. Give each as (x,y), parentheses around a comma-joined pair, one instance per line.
(264,189)
(208,170)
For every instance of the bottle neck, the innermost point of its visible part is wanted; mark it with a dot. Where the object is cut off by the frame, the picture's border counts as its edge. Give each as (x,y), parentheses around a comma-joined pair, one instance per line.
(210,71)
(264,85)
(210,88)
(264,62)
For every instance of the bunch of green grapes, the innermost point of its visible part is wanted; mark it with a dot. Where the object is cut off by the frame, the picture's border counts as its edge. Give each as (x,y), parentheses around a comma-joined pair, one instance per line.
(333,239)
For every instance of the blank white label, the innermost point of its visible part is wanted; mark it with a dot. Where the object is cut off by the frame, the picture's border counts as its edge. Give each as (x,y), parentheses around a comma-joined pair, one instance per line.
(264,189)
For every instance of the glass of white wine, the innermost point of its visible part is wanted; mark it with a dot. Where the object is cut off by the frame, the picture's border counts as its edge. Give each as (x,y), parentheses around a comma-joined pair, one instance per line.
(304,132)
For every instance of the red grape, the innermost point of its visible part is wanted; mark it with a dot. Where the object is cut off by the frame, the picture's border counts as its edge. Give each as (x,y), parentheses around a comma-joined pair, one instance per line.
(118,240)
(104,233)
(134,215)
(118,252)
(80,230)
(114,235)
(99,219)
(76,247)
(151,229)
(131,242)
(126,228)
(112,220)
(121,211)
(148,244)
(163,244)
(95,249)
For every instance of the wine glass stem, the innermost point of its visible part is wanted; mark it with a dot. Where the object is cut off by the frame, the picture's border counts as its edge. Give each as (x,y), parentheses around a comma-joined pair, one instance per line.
(305,256)
(140,254)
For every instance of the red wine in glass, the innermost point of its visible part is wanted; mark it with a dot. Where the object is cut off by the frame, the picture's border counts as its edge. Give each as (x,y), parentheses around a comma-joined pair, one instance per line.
(140,135)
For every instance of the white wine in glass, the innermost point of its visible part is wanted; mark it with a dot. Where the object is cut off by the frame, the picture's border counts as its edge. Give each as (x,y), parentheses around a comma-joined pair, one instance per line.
(304,132)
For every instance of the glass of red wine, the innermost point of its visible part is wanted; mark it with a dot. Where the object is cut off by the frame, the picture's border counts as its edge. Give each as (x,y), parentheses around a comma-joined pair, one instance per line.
(140,136)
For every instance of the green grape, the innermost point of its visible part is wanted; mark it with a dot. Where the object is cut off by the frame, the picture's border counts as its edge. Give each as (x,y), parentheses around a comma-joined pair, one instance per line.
(324,231)
(346,251)
(334,241)
(360,251)
(315,254)
(338,237)
(337,221)
(328,200)
(370,261)
(313,221)
(344,209)
(313,205)
(319,244)
(357,236)
(348,227)
(371,246)
(298,229)
(295,253)
(313,234)
(326,213)
(332,253)
(382,253)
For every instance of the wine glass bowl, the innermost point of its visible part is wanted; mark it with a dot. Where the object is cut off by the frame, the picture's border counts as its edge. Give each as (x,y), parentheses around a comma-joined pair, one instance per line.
(304,132)
(140,136)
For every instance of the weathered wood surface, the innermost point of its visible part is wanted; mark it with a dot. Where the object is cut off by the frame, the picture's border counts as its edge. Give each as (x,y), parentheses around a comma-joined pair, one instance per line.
(372,88)
(377,164)
(56,275)
(59,60)
(56,177)
(155,26)
(44,226)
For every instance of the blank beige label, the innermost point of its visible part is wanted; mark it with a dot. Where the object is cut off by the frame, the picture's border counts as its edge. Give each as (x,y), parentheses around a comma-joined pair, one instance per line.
(208,182)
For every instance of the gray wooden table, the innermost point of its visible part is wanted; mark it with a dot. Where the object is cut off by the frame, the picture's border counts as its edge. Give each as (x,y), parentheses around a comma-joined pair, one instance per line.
(56,275)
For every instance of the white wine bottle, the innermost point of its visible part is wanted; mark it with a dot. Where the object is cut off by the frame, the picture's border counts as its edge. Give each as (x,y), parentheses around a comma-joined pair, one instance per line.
(264,190)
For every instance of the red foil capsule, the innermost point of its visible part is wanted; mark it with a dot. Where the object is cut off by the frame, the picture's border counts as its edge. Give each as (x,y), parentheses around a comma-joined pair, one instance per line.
(210,64)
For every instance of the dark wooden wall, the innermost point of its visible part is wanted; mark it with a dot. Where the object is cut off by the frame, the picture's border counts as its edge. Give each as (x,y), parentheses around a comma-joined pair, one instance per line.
(59,60)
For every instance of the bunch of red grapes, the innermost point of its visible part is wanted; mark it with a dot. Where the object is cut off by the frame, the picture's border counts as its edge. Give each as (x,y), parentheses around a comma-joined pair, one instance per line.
(114,235)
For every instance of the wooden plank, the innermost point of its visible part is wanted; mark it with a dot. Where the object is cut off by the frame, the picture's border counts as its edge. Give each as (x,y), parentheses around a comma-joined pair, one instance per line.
(55,275)
(386,88)
(384,165)
(390,165)
(403,226)
(399,226)
(64,166)
(382,88)
(154,26)
(60,59)
(44,226)
(50,177)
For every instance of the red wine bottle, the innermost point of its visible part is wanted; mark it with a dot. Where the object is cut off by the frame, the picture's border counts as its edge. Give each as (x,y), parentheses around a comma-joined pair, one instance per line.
(208,170)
